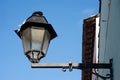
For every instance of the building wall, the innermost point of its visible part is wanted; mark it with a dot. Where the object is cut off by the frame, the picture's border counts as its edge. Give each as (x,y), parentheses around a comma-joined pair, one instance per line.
(90,45)
(103,28)
(110,36)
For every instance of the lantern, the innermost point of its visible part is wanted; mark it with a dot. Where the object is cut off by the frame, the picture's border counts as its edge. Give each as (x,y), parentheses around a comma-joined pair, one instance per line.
(36,34)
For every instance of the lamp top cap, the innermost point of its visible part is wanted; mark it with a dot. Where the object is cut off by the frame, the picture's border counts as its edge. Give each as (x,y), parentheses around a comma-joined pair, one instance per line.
(36,20)
(38,13)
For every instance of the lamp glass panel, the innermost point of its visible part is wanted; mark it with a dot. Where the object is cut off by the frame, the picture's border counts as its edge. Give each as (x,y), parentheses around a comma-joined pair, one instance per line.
(46,42)
(37,35)
(26,38)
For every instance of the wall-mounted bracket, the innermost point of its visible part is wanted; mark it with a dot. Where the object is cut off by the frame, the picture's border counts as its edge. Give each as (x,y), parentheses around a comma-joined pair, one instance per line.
(81,66)
(107,76)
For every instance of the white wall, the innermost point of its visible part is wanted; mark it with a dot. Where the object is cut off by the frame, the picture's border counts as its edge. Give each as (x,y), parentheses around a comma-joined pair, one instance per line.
(95,54)
(110,35)
(103,29)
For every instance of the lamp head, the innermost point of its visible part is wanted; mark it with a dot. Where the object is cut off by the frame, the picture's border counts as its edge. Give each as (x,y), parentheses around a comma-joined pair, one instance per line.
(36,34)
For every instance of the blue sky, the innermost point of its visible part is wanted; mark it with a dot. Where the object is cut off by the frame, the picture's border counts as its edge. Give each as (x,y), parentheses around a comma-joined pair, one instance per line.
(66,16)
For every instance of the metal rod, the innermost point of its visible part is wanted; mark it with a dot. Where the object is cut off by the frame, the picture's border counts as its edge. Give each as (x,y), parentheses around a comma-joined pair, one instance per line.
(94,65)
(54,65)
(73,65)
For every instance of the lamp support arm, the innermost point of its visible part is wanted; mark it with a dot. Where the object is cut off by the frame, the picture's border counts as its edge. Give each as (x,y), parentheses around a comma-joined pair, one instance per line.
(74,65)
(79,66)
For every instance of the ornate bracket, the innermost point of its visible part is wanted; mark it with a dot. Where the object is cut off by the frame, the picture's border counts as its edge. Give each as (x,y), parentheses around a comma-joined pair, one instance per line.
(80,66)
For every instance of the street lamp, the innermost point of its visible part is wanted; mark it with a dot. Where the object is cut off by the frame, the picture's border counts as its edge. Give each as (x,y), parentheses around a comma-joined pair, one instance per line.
(36,34)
